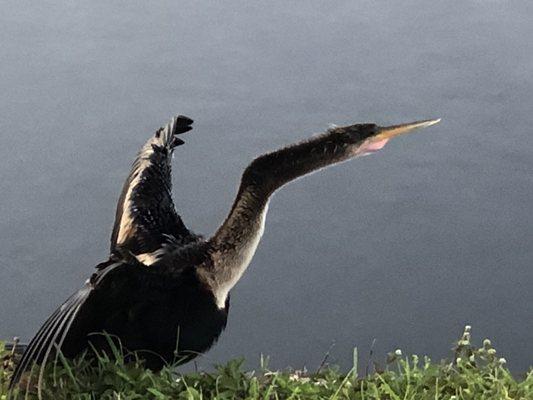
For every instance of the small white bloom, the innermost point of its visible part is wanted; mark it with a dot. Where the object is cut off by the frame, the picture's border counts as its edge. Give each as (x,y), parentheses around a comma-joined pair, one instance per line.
(458,360)
(472,358)
(502,361)
(491,351)
(467,328)
(398,352)
(486,343)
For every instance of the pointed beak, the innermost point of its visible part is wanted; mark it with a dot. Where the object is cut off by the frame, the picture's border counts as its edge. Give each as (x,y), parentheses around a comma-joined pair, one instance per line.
(388,132)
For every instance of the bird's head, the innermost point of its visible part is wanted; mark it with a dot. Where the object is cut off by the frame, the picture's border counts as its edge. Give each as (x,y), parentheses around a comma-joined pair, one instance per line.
(340,143)
(362,139)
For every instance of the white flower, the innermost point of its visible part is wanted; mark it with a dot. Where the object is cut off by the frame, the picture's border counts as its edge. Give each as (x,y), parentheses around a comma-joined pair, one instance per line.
(486,343)
(298,375)
(502,361)
(398,352)
(458,360)
(467,328)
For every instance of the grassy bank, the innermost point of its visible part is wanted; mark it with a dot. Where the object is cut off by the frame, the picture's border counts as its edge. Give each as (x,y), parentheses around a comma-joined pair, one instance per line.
(476,372)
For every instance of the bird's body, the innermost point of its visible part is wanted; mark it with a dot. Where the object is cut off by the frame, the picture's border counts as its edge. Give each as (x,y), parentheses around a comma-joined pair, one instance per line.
(152,312)
(164,292)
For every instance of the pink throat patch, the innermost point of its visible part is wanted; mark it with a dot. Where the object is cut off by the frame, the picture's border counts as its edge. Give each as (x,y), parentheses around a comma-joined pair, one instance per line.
(372,146)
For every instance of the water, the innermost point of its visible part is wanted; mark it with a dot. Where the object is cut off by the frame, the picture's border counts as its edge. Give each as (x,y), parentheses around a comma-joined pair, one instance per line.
(405,247)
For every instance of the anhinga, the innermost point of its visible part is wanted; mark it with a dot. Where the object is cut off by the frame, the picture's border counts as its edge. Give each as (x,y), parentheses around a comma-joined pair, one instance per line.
(164,291)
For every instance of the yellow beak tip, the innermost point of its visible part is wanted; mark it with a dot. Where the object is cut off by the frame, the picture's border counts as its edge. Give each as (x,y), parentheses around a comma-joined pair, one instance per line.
(433,121)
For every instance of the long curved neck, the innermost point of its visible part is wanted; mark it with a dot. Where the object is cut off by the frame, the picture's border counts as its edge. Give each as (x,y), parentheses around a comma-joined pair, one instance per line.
(234,243)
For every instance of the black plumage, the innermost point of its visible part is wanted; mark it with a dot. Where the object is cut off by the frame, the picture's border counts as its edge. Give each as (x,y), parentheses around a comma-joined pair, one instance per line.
(164,291)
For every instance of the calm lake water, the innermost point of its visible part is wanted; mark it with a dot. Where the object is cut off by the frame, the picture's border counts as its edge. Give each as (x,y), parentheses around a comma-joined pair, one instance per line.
(405,247)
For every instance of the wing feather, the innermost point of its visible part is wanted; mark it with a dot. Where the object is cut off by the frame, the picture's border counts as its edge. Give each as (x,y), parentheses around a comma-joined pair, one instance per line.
(52,334)
(62,329)
(145,211)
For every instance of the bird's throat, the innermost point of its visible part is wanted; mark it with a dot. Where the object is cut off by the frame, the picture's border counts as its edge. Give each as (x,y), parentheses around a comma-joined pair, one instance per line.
(234,245)
(372,146)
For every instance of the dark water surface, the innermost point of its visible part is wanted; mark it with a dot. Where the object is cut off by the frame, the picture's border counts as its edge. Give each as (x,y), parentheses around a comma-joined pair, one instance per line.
(406,246)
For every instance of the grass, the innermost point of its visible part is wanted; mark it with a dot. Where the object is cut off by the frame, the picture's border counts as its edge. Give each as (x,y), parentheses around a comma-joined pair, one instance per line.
(475,373)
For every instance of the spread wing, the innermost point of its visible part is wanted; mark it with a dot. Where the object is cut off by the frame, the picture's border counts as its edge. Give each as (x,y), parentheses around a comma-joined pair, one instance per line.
(117,287)
(54,331)
(146,223)
(112,293)
(146,217)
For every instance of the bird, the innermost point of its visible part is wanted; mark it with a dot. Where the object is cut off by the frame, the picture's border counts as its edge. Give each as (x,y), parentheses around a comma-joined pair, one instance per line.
(164,291)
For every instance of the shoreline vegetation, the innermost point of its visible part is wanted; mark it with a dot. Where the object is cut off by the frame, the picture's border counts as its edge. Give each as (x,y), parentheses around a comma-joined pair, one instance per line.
(476,372)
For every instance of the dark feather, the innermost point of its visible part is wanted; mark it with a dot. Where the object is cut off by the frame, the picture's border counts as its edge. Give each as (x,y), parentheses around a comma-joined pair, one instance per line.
(146,200)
